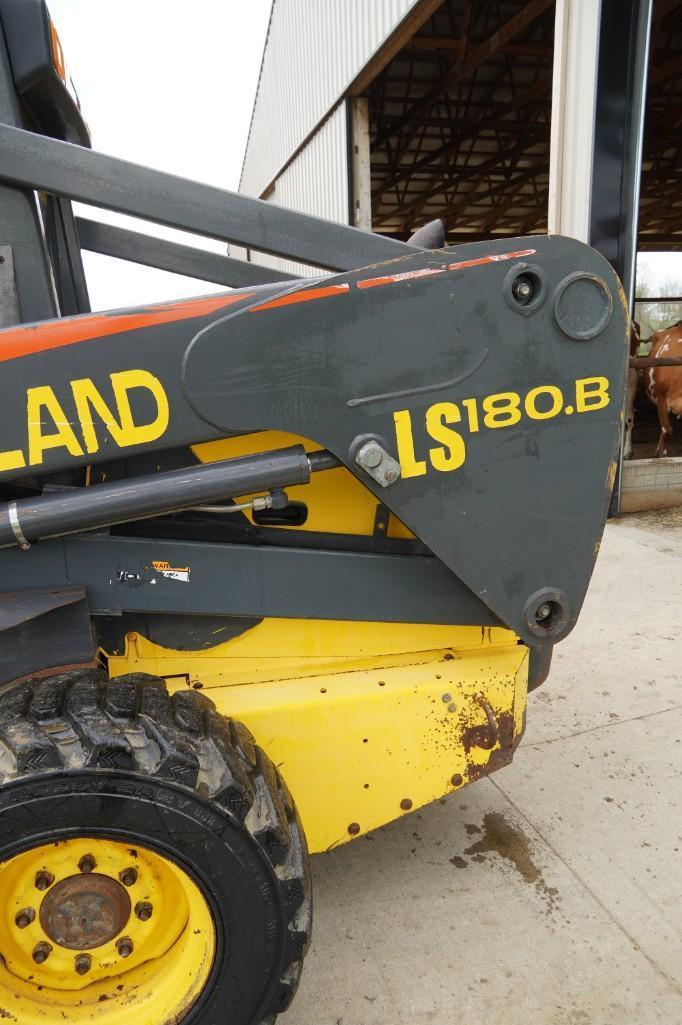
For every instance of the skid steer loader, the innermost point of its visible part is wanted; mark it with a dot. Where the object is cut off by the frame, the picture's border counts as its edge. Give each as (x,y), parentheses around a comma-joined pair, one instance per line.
(277,565)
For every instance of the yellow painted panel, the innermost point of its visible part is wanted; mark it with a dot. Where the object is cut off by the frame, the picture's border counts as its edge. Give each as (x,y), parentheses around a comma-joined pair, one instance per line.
(337,502)
(363,739)
(284,648)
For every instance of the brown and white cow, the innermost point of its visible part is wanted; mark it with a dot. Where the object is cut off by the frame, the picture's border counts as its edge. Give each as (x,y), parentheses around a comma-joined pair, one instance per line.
(664,384)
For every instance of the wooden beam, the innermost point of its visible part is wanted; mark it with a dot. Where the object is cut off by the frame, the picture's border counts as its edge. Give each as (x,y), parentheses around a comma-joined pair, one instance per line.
(464,68)
(362,196)
(453,43)
(534,94)
(393,45)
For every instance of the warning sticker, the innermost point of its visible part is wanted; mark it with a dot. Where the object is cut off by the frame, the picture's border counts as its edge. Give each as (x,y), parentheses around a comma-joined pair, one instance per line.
(172,572)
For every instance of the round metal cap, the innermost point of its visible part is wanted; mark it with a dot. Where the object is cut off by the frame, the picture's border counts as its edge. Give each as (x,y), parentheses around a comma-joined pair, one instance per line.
(85,911)
(582,305)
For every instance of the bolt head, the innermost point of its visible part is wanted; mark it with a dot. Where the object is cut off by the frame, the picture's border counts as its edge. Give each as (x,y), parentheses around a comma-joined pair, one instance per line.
(24,918)
(41,952)
(370,454)
(44,880)
(124,947)
(523,290)
(83,964)
(144,910)
(544,611)
(87,864)
(128,876)
(391,475)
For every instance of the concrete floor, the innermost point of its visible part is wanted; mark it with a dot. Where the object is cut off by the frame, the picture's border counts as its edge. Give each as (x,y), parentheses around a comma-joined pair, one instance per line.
(550,894)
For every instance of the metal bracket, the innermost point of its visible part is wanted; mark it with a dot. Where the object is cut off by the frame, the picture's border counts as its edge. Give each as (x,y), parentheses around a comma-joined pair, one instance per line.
(378,463)
(9,305)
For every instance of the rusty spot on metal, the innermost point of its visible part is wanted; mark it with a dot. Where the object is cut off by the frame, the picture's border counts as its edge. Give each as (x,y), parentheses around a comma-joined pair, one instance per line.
(486,735)
(502,755)
(85,911)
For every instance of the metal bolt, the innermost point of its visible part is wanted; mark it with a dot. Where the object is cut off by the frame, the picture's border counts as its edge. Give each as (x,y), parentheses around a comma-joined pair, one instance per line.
(522,289)
(41,952)
(124,947)
(544,611)
(406,804)
(128,876)
(370,454)
(87,863)
(24,918)
(391,475)
(446,698)
(44,880)
(354,829)
(83,964)
(144,910)
(457,780)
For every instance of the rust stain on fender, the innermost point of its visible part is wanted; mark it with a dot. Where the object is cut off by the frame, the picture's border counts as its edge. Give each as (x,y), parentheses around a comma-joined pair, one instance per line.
(502,754)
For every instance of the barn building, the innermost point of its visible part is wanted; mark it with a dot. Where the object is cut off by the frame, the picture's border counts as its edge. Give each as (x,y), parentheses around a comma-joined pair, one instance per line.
(501,117)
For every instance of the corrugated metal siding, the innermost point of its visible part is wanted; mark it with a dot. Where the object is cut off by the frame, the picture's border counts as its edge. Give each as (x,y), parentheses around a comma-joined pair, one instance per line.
(314,50)
(315,182)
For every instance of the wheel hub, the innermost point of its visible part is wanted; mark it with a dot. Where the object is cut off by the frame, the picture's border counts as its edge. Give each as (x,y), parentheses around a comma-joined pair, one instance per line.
(92,928)
(84,912)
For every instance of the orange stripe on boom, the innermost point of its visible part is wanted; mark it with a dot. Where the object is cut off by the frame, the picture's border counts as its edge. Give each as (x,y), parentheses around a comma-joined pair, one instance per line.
(497,258)
(306,296)
(408,275)
(31,338)
(391,279)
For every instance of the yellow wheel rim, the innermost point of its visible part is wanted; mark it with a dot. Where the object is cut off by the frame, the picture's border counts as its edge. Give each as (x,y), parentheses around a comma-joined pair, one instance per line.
(99,931)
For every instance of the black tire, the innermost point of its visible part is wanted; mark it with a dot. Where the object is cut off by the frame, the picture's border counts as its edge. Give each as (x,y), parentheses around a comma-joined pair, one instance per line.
(80,756)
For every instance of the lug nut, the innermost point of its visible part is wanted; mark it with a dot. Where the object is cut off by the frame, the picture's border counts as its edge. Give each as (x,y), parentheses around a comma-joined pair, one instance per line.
(24,918)
(522,290)
(87,863)
(124,947)
(544,611)
(44,880)
(128,876)
(83,964)
(143,910)
(41,952)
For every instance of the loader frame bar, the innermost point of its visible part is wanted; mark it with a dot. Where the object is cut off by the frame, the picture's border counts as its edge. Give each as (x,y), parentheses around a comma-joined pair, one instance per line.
(63,169)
